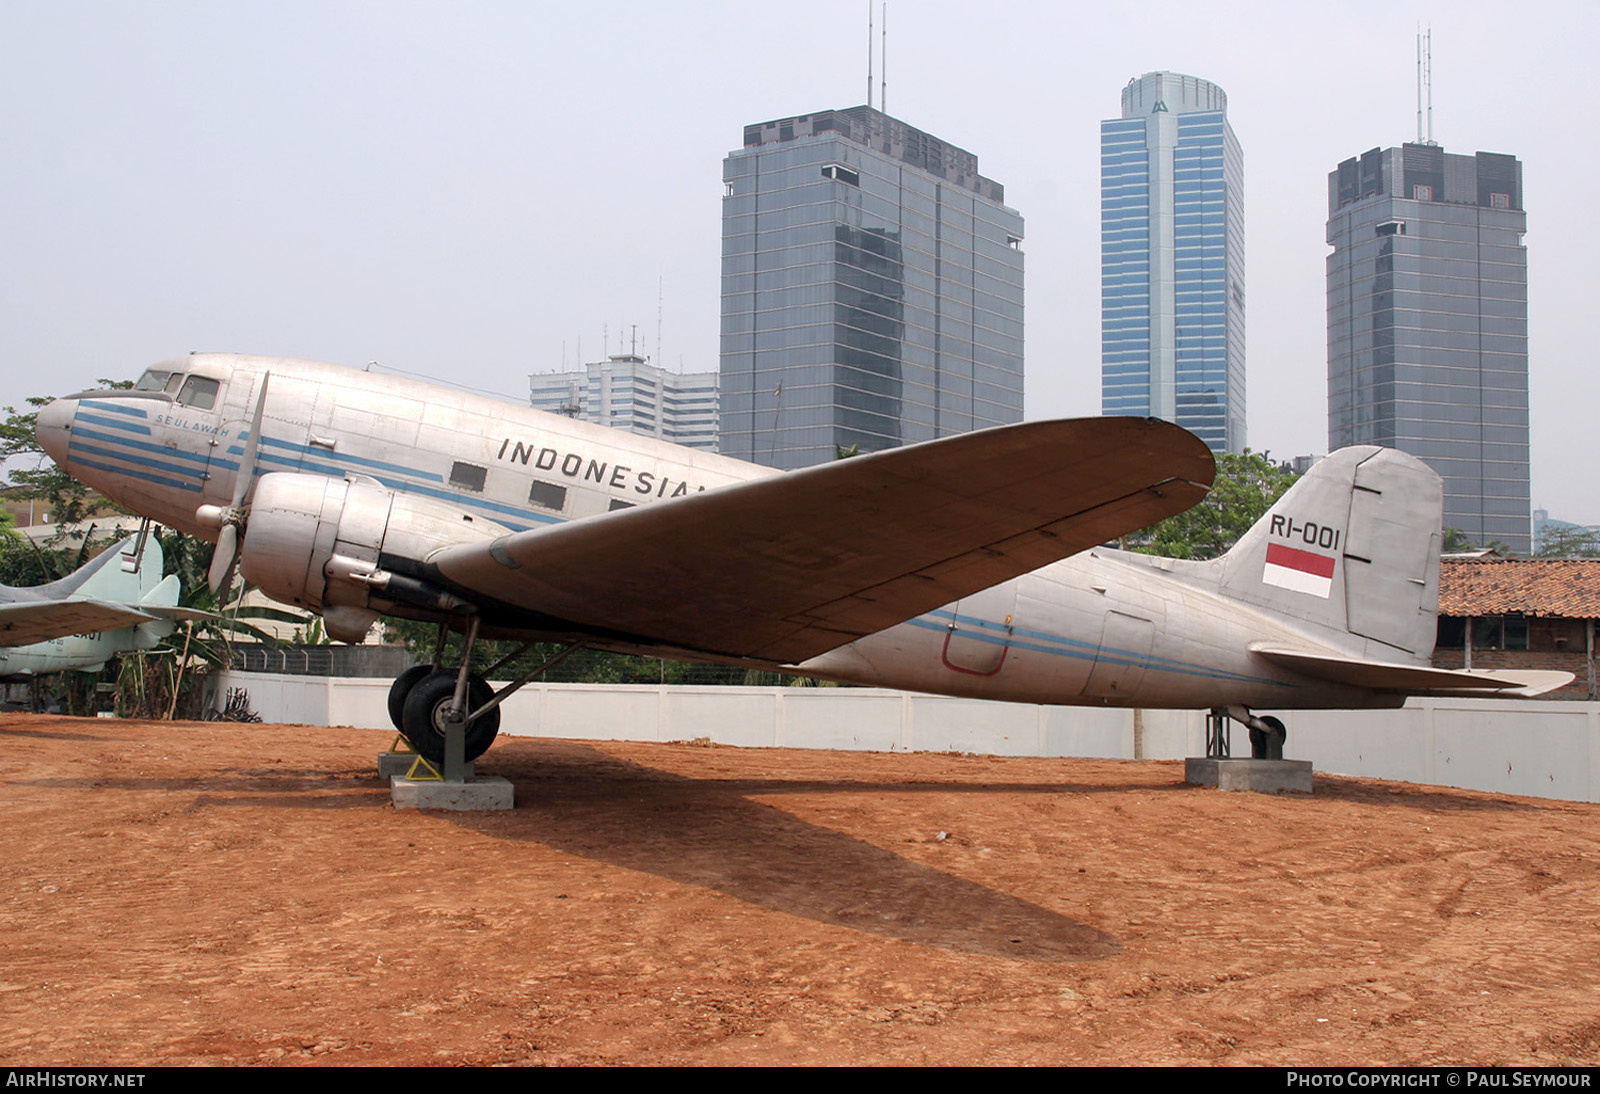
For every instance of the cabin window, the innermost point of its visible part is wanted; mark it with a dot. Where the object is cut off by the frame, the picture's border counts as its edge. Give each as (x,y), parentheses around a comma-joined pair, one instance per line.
(549,495)
(199,392)
(468,476)
(618,503)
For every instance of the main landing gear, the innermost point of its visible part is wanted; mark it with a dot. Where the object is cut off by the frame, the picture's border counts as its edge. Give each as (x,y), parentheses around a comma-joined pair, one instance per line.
(1267,734)
(427,702)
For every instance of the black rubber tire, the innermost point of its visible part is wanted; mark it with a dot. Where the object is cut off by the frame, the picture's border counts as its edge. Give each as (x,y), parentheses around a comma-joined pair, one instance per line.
(430,698)
(400,689)
(1261,744)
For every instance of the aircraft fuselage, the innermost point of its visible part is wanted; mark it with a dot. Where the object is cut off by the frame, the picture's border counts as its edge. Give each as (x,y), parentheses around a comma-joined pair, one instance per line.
(1100,628)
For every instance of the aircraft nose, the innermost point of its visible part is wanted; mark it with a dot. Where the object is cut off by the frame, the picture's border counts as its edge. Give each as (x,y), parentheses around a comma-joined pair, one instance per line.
(53,428)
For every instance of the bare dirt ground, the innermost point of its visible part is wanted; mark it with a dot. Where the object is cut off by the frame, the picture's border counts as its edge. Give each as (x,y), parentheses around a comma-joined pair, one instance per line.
(221,894)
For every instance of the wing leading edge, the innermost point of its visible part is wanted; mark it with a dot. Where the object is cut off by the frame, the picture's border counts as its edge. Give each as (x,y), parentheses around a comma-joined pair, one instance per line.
(789,566)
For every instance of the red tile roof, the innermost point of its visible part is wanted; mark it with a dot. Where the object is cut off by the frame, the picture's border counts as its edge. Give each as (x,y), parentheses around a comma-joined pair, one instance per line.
(1567,587)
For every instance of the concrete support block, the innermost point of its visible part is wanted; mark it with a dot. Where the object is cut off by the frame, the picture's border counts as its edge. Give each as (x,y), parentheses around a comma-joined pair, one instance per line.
(1261,776)
(489,792)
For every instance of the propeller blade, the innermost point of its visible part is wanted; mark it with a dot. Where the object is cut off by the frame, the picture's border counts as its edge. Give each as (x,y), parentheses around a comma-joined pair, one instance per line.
(245,480)
(222,559)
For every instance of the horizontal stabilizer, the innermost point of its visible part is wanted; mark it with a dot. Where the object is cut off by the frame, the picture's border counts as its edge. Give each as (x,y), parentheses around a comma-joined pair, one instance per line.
(41,620)
(162,601)
(1415,679)
(788,566)
(165,611)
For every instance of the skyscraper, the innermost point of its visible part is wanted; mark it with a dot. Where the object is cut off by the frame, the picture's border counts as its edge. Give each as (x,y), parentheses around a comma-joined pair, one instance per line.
(1172,259)
(871,290)
(1428,324)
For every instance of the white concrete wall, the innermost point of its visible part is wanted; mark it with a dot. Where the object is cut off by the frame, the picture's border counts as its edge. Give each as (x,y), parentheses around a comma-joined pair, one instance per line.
(1541,749)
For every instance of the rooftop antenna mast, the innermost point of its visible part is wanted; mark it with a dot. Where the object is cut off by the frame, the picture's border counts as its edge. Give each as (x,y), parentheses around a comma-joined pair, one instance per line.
(883,88)
(869,54)
(1425,83)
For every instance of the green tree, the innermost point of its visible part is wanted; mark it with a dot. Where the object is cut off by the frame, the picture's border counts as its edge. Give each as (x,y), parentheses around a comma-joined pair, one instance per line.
(24,562)
(1246,487)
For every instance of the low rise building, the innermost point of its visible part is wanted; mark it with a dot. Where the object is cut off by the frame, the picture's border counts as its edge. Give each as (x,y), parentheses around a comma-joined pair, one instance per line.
(1521,613)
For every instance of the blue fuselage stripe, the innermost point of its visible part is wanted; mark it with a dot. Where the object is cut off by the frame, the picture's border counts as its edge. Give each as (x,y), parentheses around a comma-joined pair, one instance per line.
(1060,646)
(114,423)
(337,457)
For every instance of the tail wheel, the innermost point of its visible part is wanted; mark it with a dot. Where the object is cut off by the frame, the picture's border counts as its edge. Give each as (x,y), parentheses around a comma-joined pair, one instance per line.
(426,707)
(1268,745)
(400,689)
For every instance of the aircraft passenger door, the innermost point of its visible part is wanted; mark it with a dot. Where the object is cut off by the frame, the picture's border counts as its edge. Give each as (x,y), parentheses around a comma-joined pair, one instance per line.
(1123,657)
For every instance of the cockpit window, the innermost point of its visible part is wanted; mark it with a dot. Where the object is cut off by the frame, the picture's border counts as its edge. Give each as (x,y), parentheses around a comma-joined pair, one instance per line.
(199,392)
(154,379)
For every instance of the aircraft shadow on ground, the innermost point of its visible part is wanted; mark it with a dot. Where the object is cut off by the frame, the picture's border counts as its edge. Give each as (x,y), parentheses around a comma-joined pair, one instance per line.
(710,833)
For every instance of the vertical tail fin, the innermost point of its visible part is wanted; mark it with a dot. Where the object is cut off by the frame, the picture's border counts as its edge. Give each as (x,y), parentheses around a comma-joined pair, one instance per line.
(111,575)
(1353,547)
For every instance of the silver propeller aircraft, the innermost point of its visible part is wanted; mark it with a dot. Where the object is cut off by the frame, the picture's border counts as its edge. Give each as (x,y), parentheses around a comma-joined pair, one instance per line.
(965,566)
(116,602)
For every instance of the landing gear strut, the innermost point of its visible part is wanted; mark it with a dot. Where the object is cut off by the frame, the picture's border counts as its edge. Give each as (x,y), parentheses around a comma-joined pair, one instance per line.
(427,703)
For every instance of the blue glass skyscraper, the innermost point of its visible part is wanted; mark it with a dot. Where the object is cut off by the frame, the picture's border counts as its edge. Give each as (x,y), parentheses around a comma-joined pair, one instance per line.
(1172,259)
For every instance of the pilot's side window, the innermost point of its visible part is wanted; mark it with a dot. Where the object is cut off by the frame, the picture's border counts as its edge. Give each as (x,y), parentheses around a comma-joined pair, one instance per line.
(199,392)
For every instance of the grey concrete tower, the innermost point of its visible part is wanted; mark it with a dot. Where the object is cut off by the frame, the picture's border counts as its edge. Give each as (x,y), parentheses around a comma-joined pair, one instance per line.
(1428,325)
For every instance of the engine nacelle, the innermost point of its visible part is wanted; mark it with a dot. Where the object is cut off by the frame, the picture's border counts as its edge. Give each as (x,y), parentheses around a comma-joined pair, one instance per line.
(314,541)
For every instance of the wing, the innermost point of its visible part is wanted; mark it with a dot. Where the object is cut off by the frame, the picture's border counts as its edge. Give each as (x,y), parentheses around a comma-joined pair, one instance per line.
(786,567)
(41,620)
(1416,679)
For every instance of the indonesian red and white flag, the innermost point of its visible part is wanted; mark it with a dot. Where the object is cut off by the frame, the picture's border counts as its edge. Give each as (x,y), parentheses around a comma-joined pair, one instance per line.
(1302,571)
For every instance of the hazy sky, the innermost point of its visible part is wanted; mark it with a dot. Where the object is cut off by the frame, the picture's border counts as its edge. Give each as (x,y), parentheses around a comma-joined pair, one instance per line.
(480,190)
